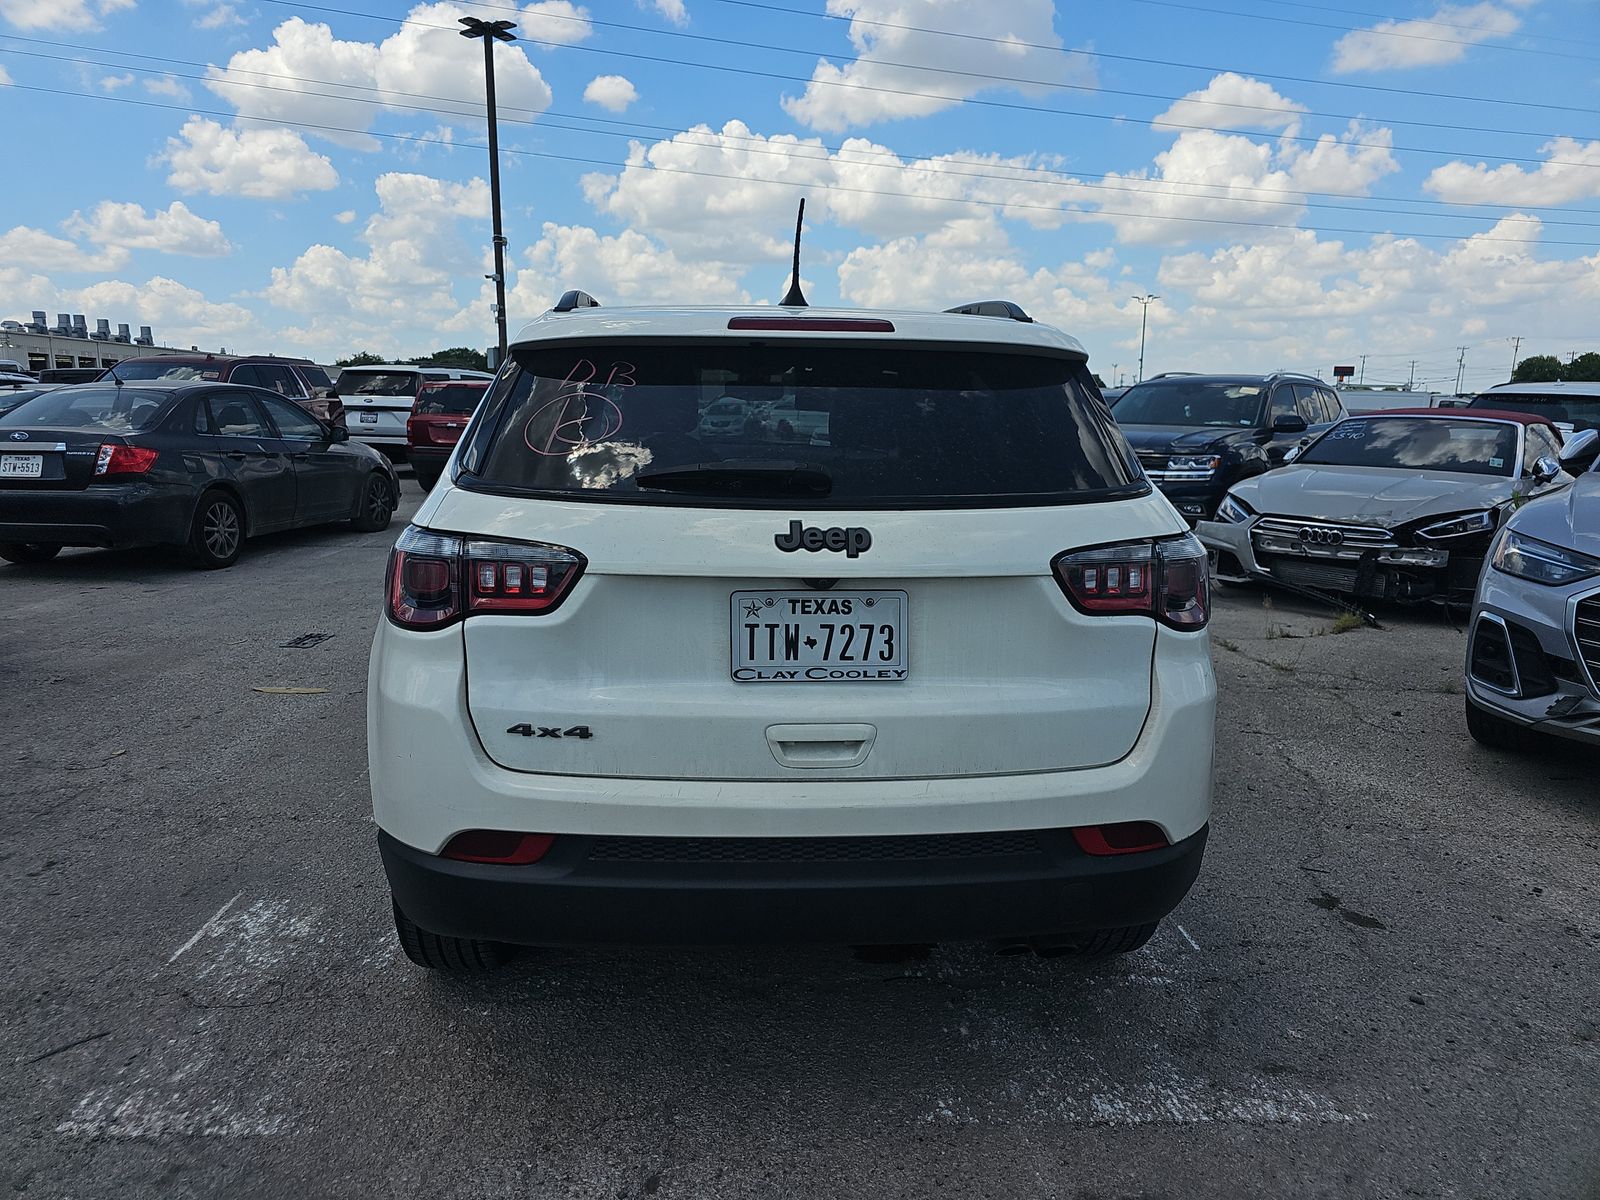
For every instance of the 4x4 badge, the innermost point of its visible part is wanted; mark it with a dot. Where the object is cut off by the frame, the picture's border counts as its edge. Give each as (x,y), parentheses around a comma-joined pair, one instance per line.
(853,541)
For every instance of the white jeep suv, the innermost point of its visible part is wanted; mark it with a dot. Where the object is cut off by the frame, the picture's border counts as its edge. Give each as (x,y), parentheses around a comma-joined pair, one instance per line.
(926,660)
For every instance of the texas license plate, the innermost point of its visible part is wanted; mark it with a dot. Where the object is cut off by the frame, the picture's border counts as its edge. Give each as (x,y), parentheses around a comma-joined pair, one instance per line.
(809,637)
(21,466)
(369,418)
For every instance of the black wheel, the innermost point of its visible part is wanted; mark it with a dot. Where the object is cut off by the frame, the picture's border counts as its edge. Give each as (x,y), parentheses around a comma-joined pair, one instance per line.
(377,505)
(217,536)
(1102,943)
(1500,734)
(29,552)
(426,477)
(459,956)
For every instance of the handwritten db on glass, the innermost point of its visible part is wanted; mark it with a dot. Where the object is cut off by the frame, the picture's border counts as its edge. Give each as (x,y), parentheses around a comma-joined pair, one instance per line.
(581,413)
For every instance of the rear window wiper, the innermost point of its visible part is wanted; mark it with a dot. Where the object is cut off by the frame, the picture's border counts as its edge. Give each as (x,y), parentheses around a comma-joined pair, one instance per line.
(763,476)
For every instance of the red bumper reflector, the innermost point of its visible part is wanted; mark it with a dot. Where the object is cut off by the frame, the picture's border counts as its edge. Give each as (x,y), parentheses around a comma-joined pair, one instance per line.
(499,846)
(1124,837)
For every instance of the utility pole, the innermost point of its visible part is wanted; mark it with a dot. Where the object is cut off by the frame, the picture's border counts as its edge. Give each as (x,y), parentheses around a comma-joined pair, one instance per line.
(491,32)
(1412,382)
(1113,374)
(1461,367)
(1516,345)
(1144,322)
(1362,378)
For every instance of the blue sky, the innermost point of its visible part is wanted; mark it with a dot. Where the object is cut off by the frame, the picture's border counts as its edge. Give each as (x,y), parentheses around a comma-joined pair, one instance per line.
(1300,183)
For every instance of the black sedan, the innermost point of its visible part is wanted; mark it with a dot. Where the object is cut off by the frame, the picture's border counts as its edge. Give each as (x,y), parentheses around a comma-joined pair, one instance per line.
(196,465)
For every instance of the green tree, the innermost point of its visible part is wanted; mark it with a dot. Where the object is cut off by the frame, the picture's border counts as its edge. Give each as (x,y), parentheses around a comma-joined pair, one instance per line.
(362,358)
(1538,368)
(1585,367)
(462,357)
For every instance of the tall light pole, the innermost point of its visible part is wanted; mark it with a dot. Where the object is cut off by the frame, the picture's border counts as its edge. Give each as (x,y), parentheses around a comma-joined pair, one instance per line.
(491,32)
(1144,321)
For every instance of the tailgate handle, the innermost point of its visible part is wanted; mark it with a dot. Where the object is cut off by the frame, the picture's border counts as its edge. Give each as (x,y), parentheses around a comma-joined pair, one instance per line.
(817,746)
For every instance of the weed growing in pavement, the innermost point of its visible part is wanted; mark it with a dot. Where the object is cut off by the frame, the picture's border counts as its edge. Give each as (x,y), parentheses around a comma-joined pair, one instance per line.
(1226,644)
(1347,622)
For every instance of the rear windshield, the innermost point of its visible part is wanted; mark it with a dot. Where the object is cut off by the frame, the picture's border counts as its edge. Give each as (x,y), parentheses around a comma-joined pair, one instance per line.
(1193,403)
(1418,444)
(377,383)
(315,376)
(113,409)
(1581,412)
(908,426)
(171,372)
(455,398)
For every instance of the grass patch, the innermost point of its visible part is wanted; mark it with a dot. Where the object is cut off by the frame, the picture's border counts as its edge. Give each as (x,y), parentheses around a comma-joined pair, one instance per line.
(1226,644)
(1347,623)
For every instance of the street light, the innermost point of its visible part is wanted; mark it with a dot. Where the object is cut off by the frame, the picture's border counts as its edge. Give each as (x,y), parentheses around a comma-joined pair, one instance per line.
(491,32)
(1144,320)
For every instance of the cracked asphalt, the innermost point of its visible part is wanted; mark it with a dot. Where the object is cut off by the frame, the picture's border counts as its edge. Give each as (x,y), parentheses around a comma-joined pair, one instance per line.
(1383,985)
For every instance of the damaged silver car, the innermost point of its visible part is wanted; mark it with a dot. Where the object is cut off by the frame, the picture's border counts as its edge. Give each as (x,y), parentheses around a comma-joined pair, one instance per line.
(1533,657)
(1399,505)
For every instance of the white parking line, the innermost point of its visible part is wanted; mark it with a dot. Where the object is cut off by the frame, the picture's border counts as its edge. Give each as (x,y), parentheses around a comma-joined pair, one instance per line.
(1193,945)
(201,932)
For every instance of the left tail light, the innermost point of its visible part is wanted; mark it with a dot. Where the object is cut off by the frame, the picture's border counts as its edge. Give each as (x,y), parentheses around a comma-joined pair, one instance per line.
(437,579)
(1163,579)
(123,460)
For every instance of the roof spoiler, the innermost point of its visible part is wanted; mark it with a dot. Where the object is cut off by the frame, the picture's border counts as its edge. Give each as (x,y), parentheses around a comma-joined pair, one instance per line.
(575,299)
(993,308)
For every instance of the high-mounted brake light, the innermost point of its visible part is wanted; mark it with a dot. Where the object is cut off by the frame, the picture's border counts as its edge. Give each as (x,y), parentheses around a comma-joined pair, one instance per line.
(815,324)
(437,579)
(1163,579)
(123,460)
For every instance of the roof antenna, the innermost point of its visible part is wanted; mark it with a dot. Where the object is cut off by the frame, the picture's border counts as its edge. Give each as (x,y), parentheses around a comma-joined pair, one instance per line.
(795,298)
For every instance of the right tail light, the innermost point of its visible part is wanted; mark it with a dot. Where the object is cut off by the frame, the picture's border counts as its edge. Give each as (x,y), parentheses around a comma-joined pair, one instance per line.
(1165,579)
(437,579)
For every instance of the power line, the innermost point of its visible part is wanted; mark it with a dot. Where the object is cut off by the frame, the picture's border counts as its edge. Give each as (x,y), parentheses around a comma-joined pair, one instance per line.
(1131,58)
(816,186)
(1009,106)
(1025,176)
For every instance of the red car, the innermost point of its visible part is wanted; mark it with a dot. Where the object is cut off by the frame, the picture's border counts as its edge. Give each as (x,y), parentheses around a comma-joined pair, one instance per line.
(437,419)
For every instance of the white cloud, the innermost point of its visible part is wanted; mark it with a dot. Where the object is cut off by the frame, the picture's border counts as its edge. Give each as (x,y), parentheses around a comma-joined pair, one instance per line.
(59,14)
(672,10)
(112,83)
(180,314)
(345,217)
(223,16)
(166,86)
(23,246)
(558,21)
(611,92)
(839,98)
(264,164)
(1571,173)
(173,230)
(1445,37)
(1233,101)
(5,78)
(357,80)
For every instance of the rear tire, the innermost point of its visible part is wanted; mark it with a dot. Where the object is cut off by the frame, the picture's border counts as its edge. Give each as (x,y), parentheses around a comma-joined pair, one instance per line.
(1102,943)
(436,952)
(377,505)
(27,553)
(426,477)
(1497,733)
(216,538)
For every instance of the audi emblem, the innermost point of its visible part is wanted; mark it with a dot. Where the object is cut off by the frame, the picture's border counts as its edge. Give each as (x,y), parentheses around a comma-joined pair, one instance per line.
(20,435)
(1321,537)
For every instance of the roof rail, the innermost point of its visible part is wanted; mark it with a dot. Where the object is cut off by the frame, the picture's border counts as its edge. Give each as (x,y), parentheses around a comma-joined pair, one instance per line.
(993,308)
(575,299)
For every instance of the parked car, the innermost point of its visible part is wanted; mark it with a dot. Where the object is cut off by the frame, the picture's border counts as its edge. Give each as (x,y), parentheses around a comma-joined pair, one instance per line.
(13,397)
(296,379)
(16,379)
(663,678)
(196,465)
(725,418)
(379,400)
(1400,505)
(440,414)
(71,374)
(1568,406)
(1198,435)
(1533,658)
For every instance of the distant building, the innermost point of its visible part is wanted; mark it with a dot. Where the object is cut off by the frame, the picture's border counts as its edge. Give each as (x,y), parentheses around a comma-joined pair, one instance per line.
(40,345)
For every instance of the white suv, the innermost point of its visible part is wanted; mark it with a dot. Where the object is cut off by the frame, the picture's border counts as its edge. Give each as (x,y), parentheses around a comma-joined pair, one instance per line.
(926,660)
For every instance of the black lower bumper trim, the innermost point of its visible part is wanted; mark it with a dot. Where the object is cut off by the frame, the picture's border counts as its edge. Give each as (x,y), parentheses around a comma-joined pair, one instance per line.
(666,891)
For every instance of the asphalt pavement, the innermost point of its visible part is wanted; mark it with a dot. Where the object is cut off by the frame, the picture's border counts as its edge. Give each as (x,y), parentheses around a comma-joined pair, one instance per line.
(1384,983)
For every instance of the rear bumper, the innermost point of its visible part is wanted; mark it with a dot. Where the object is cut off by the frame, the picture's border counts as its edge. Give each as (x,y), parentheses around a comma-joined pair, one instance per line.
(691,891)
(132,514)
(429,456)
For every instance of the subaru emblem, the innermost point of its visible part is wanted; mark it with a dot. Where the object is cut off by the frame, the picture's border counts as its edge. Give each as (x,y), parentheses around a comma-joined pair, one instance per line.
(20,435)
